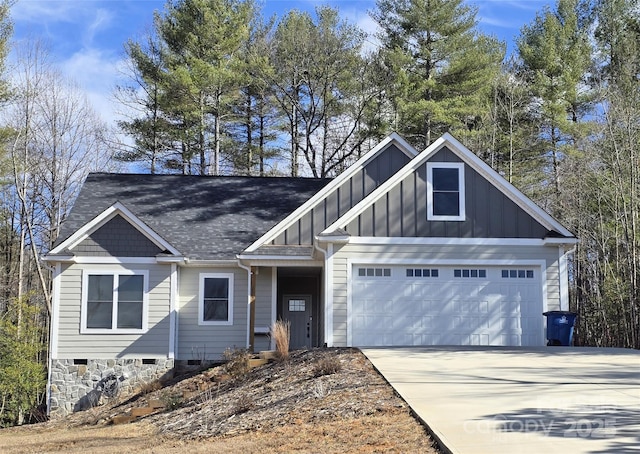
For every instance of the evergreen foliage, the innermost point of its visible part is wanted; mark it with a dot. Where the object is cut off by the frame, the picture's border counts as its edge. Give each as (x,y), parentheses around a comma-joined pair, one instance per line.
(443,67)
(22,372)
(215,88)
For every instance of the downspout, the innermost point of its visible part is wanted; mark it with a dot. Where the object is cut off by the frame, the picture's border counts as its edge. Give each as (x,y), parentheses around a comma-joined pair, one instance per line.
(248,269)
(173,312)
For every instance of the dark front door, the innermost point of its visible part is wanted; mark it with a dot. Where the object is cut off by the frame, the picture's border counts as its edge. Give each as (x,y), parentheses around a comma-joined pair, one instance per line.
(297,309)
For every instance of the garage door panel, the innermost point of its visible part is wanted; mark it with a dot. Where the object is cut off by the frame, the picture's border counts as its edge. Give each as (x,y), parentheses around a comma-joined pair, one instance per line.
(397,309)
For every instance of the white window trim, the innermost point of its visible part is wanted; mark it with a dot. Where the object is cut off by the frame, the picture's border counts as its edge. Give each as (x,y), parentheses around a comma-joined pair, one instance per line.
(114,318)
(445,165)
(201,320)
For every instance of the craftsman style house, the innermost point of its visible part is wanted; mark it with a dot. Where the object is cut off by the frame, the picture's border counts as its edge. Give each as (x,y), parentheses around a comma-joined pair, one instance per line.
(403,248)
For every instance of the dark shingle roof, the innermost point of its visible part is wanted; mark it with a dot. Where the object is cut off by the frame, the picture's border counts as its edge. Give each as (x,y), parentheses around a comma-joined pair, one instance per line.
(203,217)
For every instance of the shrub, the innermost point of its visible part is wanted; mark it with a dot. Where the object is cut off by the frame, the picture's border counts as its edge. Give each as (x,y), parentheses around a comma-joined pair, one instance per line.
(237,361)
(244,403)
(281,333)
(171,399)
(326,365)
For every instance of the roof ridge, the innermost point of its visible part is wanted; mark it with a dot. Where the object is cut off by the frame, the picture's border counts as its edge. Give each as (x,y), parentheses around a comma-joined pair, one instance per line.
(176,175)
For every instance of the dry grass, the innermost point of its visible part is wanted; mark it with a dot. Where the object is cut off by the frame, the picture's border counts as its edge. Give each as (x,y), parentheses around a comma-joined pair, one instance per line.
(281,333)
(326,365)
(237,361)
(281,407)
(391,433)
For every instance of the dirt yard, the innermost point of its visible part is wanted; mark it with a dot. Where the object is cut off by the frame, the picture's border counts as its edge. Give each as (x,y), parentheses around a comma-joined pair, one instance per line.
(329,401)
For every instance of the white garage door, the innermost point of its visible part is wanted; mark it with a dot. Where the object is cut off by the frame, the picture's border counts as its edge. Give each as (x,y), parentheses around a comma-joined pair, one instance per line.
(446,305)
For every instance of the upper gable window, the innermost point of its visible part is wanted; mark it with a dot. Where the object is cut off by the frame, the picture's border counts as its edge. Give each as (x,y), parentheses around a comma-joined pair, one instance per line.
(114,302)
(445,191)
(215,304)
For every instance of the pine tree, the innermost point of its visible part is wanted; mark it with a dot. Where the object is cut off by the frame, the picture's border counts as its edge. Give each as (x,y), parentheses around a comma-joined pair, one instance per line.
(147,124)
(203,40)
(253,134)
(443,67)
(556,58)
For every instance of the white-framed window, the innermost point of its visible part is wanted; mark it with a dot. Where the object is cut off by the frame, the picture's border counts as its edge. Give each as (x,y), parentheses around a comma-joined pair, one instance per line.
(215,300)
(445,191)
(472,273)
(374,272)
(114,301)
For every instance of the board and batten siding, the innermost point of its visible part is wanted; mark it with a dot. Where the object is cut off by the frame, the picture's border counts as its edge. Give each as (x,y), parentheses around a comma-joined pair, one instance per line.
(208,342)
(390,253)
(344,197)
(402,212)
(152,344)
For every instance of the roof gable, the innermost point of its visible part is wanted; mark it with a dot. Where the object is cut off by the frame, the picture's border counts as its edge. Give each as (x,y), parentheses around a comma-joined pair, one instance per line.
(391,199)
(198,217)
(339,196)
(103,219)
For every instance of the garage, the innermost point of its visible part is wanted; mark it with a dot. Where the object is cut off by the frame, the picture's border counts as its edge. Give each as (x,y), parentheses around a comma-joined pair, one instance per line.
(446,305)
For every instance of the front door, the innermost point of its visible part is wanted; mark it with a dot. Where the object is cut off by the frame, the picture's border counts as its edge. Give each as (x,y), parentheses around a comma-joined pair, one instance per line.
(297,309)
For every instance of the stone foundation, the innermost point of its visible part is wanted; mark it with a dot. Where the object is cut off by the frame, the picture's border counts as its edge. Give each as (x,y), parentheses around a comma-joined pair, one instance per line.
(76,386)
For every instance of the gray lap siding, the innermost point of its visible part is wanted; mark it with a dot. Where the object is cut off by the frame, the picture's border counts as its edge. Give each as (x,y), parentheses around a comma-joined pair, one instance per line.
(208,342)
(71,344)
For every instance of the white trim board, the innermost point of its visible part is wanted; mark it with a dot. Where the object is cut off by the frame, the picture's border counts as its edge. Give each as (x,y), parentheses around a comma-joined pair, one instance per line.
(114,271)
(394,139)
(230,299)
(454,241)
(459,166)
(55,312)
(173,300)
(468,158)
(274,303)
(114,210)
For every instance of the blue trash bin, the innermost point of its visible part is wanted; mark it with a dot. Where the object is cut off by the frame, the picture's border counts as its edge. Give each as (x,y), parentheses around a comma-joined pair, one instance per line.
(560,327)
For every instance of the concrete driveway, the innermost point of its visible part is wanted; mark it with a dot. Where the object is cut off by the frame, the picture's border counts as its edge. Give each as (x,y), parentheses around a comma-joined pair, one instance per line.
(520,400)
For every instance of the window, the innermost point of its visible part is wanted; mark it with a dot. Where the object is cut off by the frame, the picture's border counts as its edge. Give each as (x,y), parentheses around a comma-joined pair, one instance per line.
(422,272)
(297,306)
(445,191)
(215,303)
(470,273)
(114,302)
(374,272)
(517,274)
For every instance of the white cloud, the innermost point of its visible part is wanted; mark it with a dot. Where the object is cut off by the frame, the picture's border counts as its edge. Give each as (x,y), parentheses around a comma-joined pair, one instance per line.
(96,72)
(102,21)
(85,39)
(41,12)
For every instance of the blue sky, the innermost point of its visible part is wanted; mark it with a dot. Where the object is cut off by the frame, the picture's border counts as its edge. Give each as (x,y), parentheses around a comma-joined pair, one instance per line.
(85,37)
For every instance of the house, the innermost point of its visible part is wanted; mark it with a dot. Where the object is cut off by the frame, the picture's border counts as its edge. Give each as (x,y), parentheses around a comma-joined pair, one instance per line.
(403,248)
